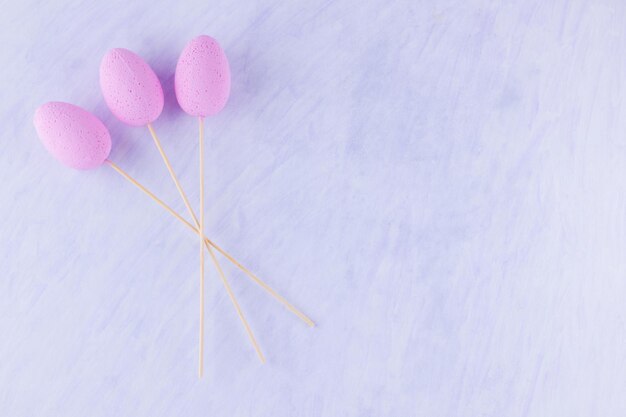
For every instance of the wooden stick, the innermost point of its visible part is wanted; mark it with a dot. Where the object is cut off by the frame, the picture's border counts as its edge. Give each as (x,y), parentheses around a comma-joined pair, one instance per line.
(195,219)
(201,234)
(209,242)
(263,285)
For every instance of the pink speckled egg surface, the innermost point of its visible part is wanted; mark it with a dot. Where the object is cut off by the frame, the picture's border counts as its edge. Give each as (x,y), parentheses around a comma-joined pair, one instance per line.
(130,88)
(72,135)
(202,78)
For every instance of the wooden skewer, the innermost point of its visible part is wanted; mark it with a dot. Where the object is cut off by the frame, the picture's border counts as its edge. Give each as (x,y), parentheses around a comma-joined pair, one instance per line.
(263,285)
(208,242)
(201,234)
(195,219)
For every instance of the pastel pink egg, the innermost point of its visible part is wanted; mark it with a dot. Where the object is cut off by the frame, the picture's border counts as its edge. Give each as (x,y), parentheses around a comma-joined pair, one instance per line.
(202,80)
(130,88)
(72,135)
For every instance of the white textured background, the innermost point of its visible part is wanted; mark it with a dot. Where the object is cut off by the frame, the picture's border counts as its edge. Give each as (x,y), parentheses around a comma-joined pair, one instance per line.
(441,185)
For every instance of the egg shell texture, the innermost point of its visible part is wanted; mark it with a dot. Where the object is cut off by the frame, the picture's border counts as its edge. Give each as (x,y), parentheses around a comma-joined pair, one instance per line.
(202,79)
(130,87)
(72,135)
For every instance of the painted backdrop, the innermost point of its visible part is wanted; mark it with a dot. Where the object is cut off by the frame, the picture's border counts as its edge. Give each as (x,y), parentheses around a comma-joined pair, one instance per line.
(440,185)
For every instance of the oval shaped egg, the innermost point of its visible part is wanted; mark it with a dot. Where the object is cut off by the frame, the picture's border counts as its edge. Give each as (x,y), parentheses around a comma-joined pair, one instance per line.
(202,79)
(130,88)
(72,135)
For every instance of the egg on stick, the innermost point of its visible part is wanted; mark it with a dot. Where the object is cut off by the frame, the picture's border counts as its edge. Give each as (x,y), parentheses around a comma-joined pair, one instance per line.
(79,140)
(202,84)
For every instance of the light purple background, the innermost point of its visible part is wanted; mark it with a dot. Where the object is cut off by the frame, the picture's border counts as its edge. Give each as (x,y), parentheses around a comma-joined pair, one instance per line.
(441,185)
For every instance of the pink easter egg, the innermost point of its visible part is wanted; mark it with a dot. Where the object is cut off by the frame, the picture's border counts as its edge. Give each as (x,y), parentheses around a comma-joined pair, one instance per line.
(130,88)
(202,80)
(72,135)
